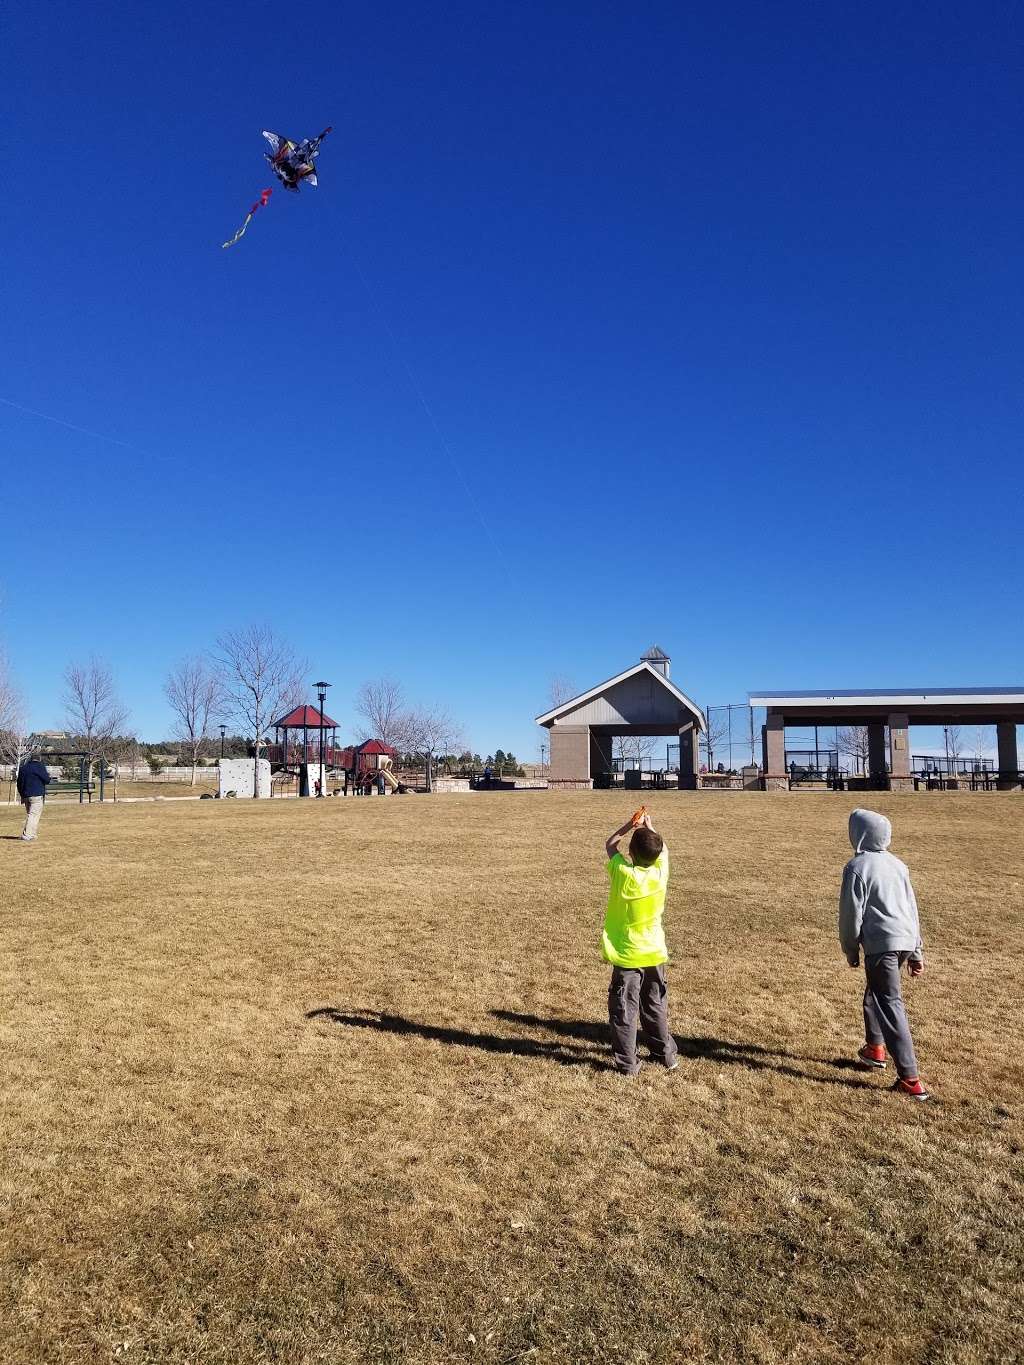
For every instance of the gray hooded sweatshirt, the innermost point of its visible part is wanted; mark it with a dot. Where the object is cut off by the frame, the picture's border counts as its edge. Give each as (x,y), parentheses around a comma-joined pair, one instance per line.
(877,907)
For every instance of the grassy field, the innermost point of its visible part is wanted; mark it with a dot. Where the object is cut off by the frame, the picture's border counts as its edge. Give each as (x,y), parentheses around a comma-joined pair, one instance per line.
(326,1082)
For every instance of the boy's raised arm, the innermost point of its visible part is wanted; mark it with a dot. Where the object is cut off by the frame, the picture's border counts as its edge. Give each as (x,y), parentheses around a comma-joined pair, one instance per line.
(611,844)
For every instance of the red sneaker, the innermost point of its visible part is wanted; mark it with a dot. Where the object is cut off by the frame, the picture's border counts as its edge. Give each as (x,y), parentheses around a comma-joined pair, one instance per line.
(912,1089)
(872,1056)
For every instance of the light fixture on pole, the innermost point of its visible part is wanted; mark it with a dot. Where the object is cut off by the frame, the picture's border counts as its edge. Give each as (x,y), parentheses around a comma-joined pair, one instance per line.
(321,692)
(223,731)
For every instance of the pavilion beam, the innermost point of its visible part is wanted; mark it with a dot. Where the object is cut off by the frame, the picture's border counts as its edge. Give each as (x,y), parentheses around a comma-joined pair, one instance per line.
(1009,756)
(900,778)
(773,752)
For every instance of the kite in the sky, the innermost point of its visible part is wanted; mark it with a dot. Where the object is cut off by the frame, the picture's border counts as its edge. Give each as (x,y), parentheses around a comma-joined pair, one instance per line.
(294,164)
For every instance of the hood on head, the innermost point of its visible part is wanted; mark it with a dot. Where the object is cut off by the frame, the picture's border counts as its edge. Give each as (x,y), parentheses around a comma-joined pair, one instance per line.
(869,831)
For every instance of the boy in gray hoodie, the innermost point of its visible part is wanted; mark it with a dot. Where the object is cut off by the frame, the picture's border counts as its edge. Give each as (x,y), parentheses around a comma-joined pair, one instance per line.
(878,912)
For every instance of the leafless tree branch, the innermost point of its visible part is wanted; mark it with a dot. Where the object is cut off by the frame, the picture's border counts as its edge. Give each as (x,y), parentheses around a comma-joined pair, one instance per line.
(561,689)
(381,703)
(95,713)
(195,694)
(259,676)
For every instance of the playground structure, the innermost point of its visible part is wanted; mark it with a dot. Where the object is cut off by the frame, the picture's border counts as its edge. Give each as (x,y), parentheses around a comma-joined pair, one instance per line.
(304,735)
(310,761)
(370,766)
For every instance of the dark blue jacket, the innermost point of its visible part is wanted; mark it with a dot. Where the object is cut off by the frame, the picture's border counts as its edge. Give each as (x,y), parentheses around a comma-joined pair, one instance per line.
(32,779)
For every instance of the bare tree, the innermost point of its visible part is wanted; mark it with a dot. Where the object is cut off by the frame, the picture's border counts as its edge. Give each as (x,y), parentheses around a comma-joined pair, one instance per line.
(854,743)
(433,731)
(714,735)
(633,748)
(195,695)
(95,714)
(10,699)
(979,744)
(259,676)
(117,751)
(13,736)
(561,689)
(381,703)
(954,745)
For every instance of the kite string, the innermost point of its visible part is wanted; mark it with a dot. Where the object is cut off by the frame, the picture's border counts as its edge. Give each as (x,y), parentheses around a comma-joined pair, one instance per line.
(429,411)
(83,431)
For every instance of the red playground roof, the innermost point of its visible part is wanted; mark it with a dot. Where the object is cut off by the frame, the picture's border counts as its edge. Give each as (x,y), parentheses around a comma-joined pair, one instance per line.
(303,715)
(374,746)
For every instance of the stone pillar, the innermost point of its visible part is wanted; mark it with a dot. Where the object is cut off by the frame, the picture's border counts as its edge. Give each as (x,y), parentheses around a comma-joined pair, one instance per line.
(570,757)
(773,746)
(689,757)
(877,776)
(900,779)
(1009,758)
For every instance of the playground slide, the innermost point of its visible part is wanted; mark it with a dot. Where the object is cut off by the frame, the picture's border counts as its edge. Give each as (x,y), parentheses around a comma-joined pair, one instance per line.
(389,778)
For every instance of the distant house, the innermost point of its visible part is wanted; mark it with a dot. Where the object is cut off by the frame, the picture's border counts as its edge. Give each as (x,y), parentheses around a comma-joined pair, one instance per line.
(47,739)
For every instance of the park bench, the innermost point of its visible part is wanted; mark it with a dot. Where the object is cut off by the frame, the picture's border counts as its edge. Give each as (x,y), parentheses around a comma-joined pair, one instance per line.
(86,790)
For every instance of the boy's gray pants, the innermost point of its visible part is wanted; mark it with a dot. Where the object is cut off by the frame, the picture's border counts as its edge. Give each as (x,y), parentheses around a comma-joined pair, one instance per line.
(885,1018)
(643,992)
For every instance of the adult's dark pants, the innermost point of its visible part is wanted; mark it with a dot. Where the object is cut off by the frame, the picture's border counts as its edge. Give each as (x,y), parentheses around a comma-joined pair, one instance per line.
(885,1016)
(639,993)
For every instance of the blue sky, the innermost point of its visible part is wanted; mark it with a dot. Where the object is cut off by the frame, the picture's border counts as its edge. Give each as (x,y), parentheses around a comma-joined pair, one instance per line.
(607,325)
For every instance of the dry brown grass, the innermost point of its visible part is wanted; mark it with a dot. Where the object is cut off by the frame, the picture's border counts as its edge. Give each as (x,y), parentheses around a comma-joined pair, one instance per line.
(127,790)
(323,1082)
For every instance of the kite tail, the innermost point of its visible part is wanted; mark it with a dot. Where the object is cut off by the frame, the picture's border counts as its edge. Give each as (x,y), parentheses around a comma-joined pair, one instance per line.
(260,203)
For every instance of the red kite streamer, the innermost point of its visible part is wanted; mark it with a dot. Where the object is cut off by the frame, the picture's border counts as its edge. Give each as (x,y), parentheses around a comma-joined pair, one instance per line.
(260,203)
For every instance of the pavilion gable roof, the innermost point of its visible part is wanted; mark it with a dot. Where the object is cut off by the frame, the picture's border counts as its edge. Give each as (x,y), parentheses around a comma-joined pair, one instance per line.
(556,713)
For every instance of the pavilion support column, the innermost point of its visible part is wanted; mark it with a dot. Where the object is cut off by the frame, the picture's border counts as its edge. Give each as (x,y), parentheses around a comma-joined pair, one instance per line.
(600,754)
(689,757)
(877,775)
(900,779)
(773,752)
(1009,758)
(570,757)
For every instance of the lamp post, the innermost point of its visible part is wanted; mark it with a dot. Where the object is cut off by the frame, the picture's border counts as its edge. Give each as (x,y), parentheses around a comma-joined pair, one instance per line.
(223,731)
(321,692)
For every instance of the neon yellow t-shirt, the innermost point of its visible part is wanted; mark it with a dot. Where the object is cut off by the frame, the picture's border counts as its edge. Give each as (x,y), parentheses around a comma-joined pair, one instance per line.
(633,932)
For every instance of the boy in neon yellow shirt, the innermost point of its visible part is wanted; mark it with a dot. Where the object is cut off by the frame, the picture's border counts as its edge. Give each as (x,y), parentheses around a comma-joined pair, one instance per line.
(634,943)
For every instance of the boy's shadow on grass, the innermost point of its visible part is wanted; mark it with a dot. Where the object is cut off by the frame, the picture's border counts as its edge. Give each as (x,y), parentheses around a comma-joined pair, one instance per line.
(700,1048)
(589,1044)
(565,1054)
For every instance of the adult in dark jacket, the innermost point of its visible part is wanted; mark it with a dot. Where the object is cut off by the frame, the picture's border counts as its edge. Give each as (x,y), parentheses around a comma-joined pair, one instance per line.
(32,780)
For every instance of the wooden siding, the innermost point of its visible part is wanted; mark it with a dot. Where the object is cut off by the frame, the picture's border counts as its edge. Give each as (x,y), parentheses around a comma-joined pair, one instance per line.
(638,700)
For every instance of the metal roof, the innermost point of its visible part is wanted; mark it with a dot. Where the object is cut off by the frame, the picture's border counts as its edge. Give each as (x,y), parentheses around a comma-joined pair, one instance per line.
(893,696)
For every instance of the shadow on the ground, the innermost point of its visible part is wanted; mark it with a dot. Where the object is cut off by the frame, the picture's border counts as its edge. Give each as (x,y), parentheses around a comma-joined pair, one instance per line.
(594,1037)
(565,1054)
(717,1050)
